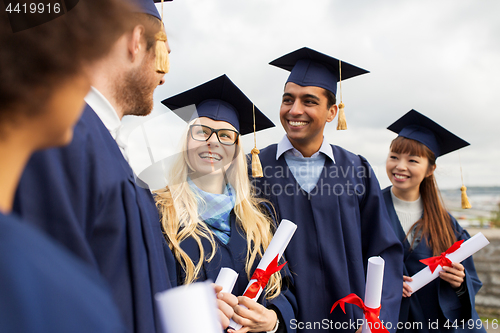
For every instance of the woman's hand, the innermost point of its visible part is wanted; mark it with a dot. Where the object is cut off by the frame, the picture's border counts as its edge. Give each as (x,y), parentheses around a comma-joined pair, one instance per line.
(256,318)
(453,275)
(406,288)
(225,304)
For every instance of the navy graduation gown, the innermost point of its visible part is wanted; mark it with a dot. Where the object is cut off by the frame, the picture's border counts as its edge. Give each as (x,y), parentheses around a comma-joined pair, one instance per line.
(437,301)
(233,255)
(341,224)
(45,289)
(84,195)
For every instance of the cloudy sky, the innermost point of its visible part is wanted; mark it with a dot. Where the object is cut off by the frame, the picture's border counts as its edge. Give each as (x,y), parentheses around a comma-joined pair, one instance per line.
(440,57)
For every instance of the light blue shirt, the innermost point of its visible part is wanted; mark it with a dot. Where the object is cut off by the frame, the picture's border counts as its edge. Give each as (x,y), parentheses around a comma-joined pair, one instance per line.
(306,170)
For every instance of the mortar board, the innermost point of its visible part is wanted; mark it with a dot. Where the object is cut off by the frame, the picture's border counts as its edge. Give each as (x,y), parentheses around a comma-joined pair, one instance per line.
(148,7)
(416,126)
(221,100)
(312,68)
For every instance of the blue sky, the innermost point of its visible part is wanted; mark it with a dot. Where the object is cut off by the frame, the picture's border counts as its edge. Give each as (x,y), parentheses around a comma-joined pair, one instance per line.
(441,58)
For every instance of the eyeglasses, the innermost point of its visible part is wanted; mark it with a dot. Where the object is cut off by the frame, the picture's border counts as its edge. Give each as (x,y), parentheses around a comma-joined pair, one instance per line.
(227,137)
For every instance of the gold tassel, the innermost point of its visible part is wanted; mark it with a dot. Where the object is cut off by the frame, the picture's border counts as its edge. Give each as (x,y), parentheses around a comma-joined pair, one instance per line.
(162,59)
(465,200)
(256,165)
(342,123)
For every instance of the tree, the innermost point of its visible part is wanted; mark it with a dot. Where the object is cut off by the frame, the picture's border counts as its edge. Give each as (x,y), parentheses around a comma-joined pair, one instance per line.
(495,218)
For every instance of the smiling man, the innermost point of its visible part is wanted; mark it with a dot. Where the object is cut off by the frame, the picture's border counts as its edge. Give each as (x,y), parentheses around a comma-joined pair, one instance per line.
(334,198)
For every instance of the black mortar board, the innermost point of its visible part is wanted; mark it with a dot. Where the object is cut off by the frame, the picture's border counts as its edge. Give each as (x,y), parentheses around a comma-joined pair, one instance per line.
(148,7)
(219,99)
(416,126)
(312,68)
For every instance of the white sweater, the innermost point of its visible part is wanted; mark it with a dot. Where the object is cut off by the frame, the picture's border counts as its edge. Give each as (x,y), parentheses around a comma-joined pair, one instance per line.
(408,212)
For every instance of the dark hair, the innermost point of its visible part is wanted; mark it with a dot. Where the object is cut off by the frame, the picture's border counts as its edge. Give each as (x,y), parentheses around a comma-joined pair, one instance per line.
(330,98)
(435,225)
(34,61)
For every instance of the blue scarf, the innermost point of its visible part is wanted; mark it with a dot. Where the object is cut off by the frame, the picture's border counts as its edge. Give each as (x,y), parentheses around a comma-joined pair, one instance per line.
(215,209)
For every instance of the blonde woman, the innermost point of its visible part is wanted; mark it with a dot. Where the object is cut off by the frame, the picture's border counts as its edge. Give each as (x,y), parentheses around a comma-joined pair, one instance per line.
(208,214)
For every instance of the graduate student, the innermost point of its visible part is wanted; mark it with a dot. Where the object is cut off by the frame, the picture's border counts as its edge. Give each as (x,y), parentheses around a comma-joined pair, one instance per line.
(85,195)
(209,216)
(332,195)
(426,229)
(43,80)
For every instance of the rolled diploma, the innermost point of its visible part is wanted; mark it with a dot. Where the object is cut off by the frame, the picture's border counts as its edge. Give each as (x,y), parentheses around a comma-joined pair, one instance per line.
(373,288)
(277,246)
(178,307)
(226,279)
(468,248)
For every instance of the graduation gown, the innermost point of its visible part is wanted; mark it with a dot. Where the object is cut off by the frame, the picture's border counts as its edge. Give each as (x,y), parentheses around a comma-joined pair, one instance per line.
(341,224)
(84,195)
(45,289)
(233,255)
(437,302)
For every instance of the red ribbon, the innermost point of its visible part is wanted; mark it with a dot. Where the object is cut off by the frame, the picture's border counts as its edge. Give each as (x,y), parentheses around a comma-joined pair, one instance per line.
(371,315)
(262,277)
(434,262)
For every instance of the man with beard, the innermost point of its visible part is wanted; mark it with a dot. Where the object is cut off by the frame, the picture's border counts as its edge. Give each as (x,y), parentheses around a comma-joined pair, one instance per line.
(85,196)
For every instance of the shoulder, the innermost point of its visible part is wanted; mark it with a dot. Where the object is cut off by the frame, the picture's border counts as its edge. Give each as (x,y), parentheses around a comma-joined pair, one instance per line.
(87,133)
(387,191)
(345,156)
(24,253)
(16,235)
(269,152)
(30,261)
(460,232)
(90,147)
(90,127)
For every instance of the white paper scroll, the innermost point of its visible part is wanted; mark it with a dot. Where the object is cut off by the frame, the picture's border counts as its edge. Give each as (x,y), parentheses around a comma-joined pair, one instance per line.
(373,288)
(178,307)
(468,248)
(226,279)
(277,246)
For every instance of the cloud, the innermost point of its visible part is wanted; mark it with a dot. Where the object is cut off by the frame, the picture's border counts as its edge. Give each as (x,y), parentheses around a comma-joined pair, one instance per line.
(438,57)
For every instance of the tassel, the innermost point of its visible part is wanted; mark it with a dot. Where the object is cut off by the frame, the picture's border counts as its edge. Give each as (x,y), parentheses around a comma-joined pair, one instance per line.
(342,124)
(256,165)
(465,200)
(162,60)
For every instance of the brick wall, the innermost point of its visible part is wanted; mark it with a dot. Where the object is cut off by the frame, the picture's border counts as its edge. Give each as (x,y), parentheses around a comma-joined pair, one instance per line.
(487,263)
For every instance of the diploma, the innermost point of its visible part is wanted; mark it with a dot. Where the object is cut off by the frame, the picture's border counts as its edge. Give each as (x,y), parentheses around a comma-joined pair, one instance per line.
(373,293)
(466,249)
(178,306)
(373,287)
(268,264)
(226,279)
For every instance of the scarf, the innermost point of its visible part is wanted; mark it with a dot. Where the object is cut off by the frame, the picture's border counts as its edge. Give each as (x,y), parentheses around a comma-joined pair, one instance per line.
(215,210)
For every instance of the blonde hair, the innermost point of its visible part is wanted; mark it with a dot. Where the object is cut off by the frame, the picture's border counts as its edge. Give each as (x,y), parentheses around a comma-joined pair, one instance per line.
(178,208)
